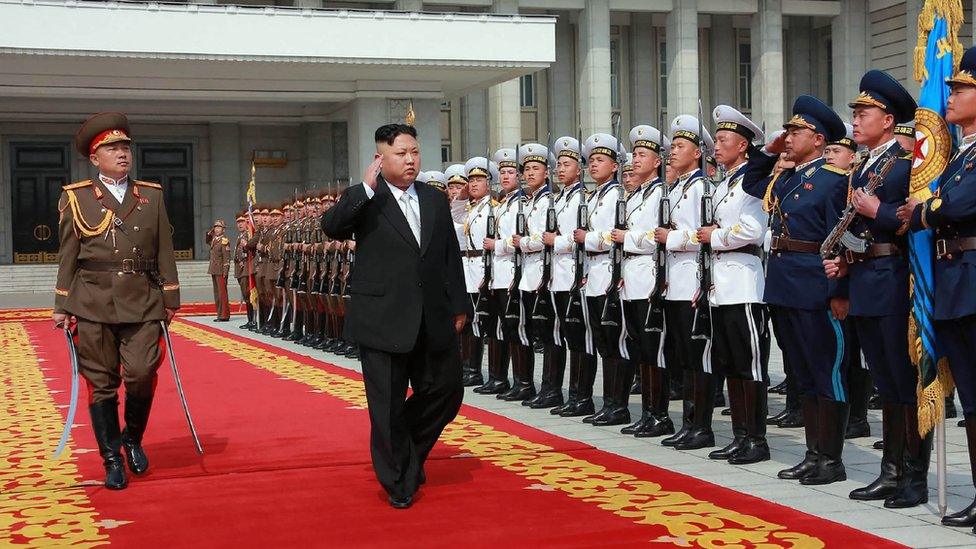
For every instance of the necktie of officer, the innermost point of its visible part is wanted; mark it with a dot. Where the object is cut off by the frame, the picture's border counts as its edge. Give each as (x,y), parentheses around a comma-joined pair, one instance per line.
(411,215)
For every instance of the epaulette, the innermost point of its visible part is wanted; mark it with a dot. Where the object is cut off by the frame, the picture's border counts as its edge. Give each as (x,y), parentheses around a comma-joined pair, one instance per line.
(834,169)
(148,184)
(224,241)
(495,203)
(78,185)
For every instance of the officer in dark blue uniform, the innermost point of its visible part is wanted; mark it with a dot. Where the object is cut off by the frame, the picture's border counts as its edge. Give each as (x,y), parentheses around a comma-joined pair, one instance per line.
(878,279)
(805,203)
(952,214)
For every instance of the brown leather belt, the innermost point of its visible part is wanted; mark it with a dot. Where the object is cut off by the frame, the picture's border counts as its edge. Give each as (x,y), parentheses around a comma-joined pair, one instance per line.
(751,249)
(787,244)
(472,253)
(944,248)
(874,251)
(127,266)
(596,254)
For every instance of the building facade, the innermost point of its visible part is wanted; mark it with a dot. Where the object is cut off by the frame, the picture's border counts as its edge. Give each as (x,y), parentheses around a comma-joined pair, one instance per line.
(297,86)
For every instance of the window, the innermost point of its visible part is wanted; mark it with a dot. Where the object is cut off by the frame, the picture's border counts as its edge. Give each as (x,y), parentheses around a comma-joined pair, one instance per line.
(615,74)
(662,75)
(445,153)
(744,52)
(527,90)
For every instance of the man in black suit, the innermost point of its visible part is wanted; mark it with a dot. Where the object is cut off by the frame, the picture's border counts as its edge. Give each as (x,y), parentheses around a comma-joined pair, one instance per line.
(408,305)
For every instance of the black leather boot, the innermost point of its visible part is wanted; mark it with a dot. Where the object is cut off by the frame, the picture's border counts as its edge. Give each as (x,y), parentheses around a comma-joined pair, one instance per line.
(701,435)
(105,425)
(913,490)
(737,398)
(635,387)
(497,369)
(583,405)
(470,374)
(553,367)
(477,358)
(832,424)
(524,386)
(622,380)
(950,406)
(718,382)
(892,458)
(298,329)
(136,419)
(574,380)
(794,409)
(966,517)
(810,431)
(688,409)
(754,448)
(647,414)
(779,389)
(281,322)
(250,316)
(609,371)
(677,385)
(660,423)
(860,384)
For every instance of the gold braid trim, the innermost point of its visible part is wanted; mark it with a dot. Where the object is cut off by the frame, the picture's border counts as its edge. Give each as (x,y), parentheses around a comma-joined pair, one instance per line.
(768,201)
(81,225)
(931,399)
(951,11)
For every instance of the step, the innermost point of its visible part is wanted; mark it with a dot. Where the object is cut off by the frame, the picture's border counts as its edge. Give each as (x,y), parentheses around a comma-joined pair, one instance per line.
(41,278)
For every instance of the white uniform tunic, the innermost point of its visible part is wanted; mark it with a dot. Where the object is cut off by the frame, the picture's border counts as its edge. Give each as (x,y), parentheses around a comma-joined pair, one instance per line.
(737,277)
(503,263)
(643,216)
(603,212)
(564,247)
(531,243)
(475,229)
(682,243)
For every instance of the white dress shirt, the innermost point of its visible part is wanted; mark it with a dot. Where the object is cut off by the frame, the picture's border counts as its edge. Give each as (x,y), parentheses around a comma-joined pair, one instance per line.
(117,188)
(397,193)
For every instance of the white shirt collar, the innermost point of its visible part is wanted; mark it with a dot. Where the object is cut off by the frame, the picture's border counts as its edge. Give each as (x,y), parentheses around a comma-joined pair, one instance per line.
(967,142)
(880,149)
(397,192)
(121,182)
(799,167)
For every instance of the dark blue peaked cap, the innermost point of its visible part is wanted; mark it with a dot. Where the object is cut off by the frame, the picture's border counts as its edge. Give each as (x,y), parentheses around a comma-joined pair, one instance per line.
(967,70)
(879,89)
(813,114)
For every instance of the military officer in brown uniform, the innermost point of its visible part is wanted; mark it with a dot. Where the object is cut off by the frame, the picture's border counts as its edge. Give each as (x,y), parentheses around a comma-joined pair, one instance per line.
(219,268)
(116,280)
(244,268)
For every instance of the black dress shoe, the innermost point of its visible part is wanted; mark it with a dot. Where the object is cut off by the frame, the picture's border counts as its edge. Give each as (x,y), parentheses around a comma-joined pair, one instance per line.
(774,420)
(617,416)
(726,452)
(401,502)
(752,451)
(136,456)
(878,445)
(778,389)
(726,411)
(579,408)
(677,437)
(519,393)
(793,418)
(598,415)
(658,427)
(966,517)
(801,469)
(858,429)
(637,425)
(493,387)
(697,438)
(221,319)
(546,400)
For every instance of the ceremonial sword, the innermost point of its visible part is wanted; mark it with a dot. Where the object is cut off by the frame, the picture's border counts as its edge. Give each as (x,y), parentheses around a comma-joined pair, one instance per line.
(73,406)
(179,386)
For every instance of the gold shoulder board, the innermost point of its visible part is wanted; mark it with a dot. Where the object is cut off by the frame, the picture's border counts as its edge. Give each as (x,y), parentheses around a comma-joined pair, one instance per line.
(224,241)
(149,184)
(834,169)
(78,185)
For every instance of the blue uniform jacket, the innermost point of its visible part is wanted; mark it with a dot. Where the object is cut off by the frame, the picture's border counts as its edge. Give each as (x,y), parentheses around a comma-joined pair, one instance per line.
(953,214)
(809,204)
(879,286)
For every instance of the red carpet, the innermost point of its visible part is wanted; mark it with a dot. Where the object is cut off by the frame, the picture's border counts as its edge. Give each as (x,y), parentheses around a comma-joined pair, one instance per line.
(287,465)
(187,309)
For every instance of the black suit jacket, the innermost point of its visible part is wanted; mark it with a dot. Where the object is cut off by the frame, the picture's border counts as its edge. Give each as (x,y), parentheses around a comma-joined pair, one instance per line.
(395,283)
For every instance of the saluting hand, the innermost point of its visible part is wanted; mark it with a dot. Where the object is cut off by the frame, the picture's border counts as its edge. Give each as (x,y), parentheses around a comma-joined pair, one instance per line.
(777,145)
(372,171)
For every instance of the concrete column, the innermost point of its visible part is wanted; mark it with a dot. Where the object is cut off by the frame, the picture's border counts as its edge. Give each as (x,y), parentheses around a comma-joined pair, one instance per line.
(318,155)
(562,82)
(849,34)
(504,106)
(682,52)
(227,176)
(723,63)
(408,5)
(642,80)
(768,100)
(428,124)
(799,59)
(474,124)
(912,10)
(593,42)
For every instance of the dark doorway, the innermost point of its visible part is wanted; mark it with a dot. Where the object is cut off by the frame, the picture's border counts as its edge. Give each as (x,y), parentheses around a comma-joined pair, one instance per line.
(38,171)
(171,165)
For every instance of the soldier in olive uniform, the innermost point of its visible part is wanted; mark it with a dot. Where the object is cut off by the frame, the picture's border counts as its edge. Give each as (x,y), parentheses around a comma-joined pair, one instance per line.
(244,268)
(219,268)
(116,280)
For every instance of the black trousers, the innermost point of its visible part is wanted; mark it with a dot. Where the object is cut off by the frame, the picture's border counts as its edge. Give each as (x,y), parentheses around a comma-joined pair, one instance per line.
(403,430)
(740,341)
(606,339)
(958,337)
(643,347)
(883,342)
(680,351)
(573,331)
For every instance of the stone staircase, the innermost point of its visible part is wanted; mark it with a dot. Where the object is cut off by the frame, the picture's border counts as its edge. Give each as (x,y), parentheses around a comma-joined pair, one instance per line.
(39,279)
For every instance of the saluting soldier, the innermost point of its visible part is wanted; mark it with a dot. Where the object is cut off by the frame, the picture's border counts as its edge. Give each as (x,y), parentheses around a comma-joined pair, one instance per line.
(740,334)
(640,273)
(479,212)
(879,295)
(603,153)
(243,269)
(116,280)
(805,202)
(219,268)
(951,213)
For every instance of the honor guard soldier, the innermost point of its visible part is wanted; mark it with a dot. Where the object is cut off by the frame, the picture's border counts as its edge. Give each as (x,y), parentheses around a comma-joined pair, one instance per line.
(805,203)
(243,269)
(629,180)
(538,305)
(951,214)
(479,212)
(740,334)
(456,177)
(842,153)
(116,281)
(604,274)
(219,268)
(905,135)
(260,259)
(568,277)
(684,355)
(878,282)
(503,283)
(642,281)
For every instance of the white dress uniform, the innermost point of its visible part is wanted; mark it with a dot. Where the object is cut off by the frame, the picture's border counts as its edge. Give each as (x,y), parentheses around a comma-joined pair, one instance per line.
(643,213)
(475,225)
(602,206)
(455,173)
(738,277)
(504,256)
(532,246)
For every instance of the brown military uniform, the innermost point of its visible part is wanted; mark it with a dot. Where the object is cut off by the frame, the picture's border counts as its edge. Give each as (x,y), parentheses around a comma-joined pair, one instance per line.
(218,271)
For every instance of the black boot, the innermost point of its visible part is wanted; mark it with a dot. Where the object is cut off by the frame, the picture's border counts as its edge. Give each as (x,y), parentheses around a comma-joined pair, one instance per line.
(298,330)
(583,405)
(966,517)
(779,389)
(136,419)
(608,376)
(913,490)
(832,424)
(660,423)
(647,414)
(859,381)
(635,388)
(468,370)
(281,322)
(701,435)
(892,458)
(809,462)
(950,406)
(250,317)
(688,409)
(575,363)
(622,380)
(718,381)
(497,369)
(105,424)
(794,409)
(755,448)
(677,385)
(737,397)
(553,368)
(523,362)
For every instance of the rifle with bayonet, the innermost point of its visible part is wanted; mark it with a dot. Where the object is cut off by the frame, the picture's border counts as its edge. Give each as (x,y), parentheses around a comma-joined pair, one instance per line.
(483,306)
(575,308)
(545,308)
(655,310)
(612,314)
(514,305)
(840,237)
(701,327)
